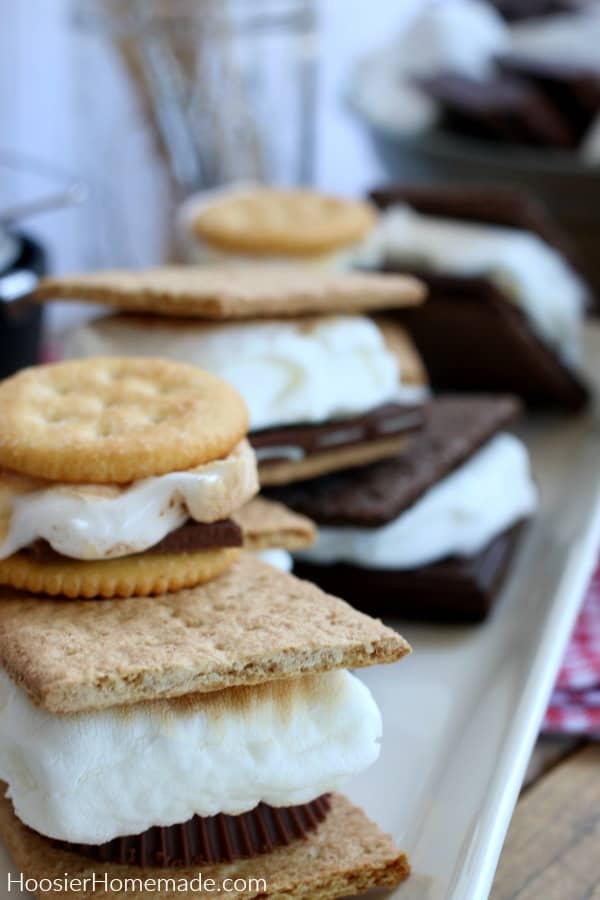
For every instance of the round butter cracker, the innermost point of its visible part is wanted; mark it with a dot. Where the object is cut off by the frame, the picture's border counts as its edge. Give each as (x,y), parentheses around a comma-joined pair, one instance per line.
(141,575)
(299,222)
(112,420)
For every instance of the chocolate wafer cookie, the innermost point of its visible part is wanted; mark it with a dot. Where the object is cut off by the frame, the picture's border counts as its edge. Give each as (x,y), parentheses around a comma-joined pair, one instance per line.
(572,88)
(500,108)
(520,10)
(482,328)
(456,589)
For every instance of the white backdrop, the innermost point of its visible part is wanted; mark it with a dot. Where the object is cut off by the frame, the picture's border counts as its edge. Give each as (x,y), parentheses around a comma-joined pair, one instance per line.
(39,79)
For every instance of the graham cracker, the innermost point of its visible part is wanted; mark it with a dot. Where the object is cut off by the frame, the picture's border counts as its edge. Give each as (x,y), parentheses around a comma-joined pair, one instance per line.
(227,292)
(286,471)
(347,855)
(400,344)
(267,524)
(252,624)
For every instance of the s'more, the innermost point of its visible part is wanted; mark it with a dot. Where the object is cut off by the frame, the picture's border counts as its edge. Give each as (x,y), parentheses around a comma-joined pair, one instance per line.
(122,477)
(200,733)
(328,382)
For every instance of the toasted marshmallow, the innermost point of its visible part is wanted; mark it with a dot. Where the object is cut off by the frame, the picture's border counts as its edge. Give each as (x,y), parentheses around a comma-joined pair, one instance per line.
(459,516)
(107,521)
(91,777)
(288,371)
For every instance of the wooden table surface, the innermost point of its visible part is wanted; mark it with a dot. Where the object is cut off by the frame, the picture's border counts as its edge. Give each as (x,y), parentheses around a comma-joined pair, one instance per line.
(552,851)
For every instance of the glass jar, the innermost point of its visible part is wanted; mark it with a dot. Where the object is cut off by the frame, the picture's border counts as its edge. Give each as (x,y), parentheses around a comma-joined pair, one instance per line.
(177,96)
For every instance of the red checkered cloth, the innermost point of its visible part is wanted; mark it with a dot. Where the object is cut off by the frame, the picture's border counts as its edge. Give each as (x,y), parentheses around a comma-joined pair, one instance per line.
(575,704)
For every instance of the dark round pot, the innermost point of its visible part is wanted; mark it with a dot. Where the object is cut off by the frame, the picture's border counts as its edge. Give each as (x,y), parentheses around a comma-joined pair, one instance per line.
(21,324)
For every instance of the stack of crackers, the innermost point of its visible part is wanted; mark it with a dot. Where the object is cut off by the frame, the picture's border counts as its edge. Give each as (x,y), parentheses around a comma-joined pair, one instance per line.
(171,706)
(422,496)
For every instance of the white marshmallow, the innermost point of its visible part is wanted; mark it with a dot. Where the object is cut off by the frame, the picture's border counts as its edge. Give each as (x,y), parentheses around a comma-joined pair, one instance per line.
(432,40)
(458,516)
(531,273)
(104,522)
(278,558)
(288,371)
(95,776)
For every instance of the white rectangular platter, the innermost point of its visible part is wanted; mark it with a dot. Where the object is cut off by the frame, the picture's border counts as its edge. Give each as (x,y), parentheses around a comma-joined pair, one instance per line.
(461,715)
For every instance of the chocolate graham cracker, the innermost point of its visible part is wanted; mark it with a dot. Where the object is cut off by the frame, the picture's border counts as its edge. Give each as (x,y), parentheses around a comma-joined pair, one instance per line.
(253,624)
(456,428)
(520,10)
(496,204)
(213,292)
(451,590)
(499,108)
(471,336)
(346,855)
(571,87)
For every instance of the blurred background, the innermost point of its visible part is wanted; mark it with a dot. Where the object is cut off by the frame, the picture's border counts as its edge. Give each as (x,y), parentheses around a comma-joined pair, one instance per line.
(75,94)
(113,113)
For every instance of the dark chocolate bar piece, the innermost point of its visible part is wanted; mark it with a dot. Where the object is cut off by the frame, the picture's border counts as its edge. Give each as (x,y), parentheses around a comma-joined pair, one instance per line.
(500,108)
(211,839)
(295,442)
(456,427)
(188,538)
(452,590)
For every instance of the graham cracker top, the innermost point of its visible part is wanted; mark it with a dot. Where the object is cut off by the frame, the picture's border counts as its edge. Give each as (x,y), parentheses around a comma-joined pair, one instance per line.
(268,524)
(251,625)
(236,292)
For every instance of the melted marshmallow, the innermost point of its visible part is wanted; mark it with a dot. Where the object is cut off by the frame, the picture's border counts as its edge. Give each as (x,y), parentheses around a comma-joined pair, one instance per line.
(288,371)
(528,271)
(95,776)
(458,516)
(104,522)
